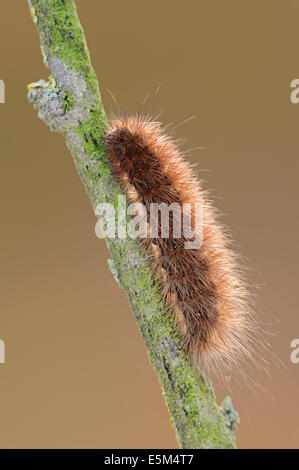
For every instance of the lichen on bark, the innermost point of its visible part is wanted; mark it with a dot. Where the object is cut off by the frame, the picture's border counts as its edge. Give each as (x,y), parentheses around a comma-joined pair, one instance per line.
(72,106)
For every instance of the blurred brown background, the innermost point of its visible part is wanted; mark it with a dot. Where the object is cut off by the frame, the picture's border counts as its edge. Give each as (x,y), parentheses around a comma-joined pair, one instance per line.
(77,373)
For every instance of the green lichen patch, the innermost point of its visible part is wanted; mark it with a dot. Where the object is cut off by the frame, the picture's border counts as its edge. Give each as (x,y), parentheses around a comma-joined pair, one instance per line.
(68,101)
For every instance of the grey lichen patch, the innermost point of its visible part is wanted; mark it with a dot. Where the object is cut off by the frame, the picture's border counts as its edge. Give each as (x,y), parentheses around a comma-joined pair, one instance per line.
(70,79)
(60,107)
(48,103)
(231,416)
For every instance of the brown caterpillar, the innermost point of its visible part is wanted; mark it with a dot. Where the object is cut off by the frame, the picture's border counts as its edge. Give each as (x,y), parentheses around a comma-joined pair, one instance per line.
(204,287)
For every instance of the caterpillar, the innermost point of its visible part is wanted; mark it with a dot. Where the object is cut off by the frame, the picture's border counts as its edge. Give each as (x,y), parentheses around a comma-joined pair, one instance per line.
(204,287)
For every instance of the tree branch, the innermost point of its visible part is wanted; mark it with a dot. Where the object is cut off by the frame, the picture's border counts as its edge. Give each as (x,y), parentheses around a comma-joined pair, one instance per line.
(70,103)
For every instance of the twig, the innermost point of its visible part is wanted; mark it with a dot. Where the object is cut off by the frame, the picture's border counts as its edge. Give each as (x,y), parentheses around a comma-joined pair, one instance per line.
(70,103)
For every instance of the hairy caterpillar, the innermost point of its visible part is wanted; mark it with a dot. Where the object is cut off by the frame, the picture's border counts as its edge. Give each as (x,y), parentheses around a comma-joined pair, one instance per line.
(204,287)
